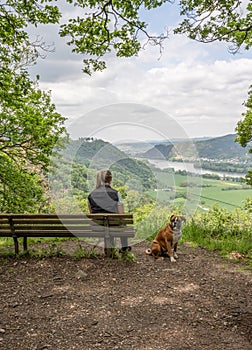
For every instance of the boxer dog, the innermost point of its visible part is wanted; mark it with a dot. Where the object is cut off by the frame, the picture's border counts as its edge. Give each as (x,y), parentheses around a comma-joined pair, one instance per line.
(167,239)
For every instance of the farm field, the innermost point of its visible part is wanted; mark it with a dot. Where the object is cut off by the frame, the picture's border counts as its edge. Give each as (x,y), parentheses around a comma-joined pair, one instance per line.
(177,188)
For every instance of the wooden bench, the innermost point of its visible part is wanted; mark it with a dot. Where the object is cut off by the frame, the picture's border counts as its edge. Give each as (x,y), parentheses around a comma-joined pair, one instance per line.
(106,226)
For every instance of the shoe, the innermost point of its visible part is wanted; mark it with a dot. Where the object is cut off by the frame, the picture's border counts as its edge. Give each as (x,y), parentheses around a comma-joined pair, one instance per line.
(125,249)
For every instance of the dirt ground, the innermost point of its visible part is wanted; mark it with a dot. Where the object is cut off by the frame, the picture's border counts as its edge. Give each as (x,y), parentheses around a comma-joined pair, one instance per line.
(62,303)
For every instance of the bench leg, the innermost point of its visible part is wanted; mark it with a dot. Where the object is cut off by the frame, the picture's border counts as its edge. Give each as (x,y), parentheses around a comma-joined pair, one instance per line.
(109,244)
(25,244)
(16,245)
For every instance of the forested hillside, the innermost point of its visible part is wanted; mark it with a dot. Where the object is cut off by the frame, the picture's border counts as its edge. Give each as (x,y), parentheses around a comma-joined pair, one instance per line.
(97,154)
(218,148)
(160,151)
(221,148)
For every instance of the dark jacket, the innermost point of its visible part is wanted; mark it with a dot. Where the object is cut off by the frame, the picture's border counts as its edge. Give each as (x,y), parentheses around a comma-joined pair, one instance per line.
(103,199)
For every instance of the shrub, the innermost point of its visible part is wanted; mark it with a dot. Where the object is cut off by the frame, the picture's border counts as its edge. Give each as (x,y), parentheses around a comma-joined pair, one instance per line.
(222,230)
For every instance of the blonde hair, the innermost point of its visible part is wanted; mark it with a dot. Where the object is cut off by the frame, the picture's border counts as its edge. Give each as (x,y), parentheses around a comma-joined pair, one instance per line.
(103,176)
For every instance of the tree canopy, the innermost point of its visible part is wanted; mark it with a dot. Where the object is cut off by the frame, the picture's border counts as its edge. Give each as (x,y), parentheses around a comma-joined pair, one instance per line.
(244,130)
(107,26)
(30,127)
(208,21)
(115,25)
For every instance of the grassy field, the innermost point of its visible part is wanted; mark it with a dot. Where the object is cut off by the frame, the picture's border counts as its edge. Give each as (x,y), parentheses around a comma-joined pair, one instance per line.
(176,188)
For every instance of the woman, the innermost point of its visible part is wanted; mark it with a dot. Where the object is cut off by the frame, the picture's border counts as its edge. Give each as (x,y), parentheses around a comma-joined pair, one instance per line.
(105,199)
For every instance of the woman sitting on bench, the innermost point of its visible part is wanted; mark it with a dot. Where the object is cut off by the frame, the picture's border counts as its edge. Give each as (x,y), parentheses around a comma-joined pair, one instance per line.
(105,199)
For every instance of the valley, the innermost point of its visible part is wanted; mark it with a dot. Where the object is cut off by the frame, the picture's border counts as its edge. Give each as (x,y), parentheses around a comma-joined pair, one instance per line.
(162,179)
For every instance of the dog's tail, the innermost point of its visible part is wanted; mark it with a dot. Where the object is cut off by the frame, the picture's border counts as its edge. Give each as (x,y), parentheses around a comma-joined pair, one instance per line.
(148,252)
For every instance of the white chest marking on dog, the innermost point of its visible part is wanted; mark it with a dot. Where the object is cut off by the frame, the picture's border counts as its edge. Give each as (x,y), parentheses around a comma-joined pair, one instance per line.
(176,236)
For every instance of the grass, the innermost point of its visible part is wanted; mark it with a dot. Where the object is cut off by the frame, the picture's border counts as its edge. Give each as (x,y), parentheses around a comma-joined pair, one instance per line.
(54,249)
(229,232)
(85,252)
(231,244)
(222,191)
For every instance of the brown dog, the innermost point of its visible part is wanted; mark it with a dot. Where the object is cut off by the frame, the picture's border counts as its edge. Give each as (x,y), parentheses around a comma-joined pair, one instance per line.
(167,239)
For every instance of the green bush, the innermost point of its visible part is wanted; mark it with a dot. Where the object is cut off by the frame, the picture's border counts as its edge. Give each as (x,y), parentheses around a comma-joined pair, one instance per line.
(221,230)
(150,218)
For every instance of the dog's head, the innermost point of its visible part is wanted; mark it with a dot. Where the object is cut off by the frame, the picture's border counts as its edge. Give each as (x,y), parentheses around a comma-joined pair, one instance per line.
(176,221)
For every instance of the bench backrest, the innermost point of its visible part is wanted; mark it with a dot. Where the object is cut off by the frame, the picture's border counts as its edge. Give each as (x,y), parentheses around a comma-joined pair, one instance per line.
(65,225)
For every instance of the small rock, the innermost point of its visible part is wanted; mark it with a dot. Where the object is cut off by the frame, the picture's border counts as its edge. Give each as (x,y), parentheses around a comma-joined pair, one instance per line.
(81,275)
(2,331)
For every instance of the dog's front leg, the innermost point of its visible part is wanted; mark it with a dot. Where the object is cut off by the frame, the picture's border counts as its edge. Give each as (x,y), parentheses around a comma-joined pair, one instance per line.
(169,250)
(175,251)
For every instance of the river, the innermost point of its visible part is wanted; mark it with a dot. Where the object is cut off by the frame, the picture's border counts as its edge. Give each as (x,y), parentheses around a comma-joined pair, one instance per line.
(189,167)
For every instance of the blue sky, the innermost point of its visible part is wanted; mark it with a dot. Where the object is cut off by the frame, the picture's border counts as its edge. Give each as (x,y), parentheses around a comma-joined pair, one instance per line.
(199,88)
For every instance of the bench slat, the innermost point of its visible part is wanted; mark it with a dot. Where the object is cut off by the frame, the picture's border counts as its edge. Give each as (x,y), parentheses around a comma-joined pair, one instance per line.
(64,216)
(100,221)
(45,216)
(76,233)
(22,228)
(45,232)
(60,234)
(50,222)
(6,234)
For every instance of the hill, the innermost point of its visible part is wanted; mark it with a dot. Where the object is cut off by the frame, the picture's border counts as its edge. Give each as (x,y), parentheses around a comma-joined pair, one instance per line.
(97,154)
(218,148)
(160,151)
(221,148)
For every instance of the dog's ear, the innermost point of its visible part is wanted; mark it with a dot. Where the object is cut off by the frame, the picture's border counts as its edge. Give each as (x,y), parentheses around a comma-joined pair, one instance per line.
(183,218)
(172,218)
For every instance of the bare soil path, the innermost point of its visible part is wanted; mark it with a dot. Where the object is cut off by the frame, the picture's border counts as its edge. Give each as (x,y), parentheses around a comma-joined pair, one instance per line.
(62,303)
